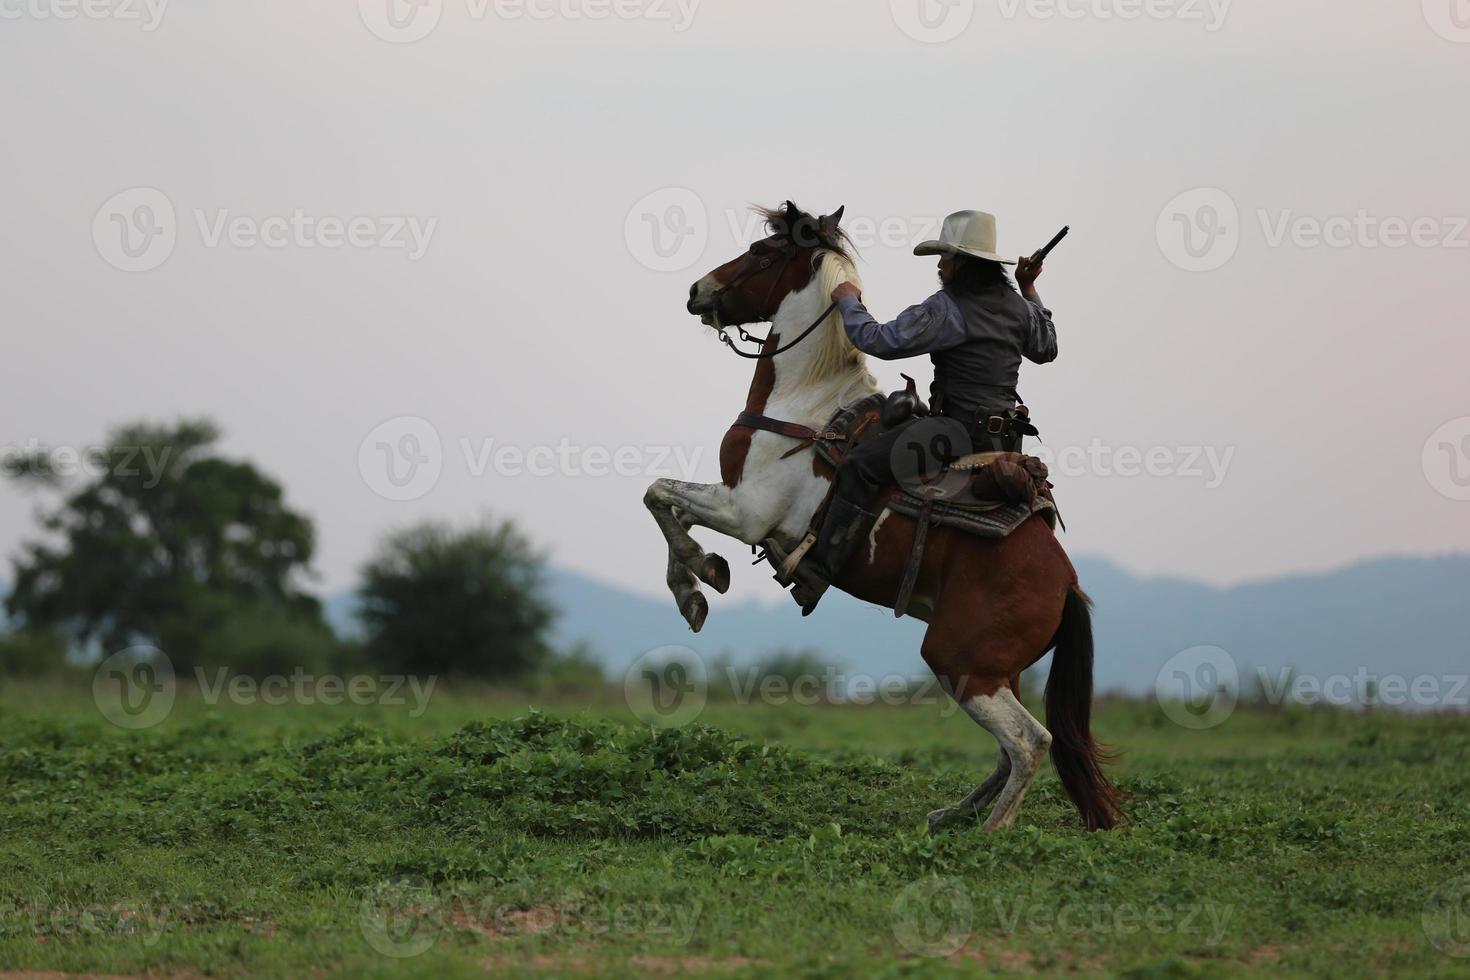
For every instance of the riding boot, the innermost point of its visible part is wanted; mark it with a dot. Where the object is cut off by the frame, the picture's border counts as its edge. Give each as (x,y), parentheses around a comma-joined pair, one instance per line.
(844,526)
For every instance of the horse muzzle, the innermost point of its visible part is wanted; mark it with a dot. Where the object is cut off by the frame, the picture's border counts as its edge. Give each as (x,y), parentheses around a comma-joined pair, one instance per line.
(704,301)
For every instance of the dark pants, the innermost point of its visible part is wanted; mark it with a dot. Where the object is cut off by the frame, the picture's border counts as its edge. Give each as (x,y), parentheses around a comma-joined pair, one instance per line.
(912,455)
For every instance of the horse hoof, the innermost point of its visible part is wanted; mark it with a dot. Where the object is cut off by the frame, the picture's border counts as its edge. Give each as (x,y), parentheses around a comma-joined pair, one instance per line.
(938,819)
(696,611)
(715,572)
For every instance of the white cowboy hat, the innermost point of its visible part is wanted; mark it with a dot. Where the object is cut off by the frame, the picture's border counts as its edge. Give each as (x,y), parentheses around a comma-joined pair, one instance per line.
(966,233)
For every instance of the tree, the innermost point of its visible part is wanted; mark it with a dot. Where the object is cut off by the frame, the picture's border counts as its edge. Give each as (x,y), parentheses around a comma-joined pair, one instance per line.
(440,601)
(158,540)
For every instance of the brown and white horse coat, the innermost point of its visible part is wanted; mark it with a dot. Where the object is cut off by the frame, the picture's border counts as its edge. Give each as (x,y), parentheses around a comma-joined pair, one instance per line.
(993,607)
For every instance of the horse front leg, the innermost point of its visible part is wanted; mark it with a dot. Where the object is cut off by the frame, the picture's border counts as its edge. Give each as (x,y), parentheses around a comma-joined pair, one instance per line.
(683,583)
(676,506)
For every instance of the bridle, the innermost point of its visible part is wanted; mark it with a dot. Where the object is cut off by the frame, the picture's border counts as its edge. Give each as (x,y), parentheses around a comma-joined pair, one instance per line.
(756,263)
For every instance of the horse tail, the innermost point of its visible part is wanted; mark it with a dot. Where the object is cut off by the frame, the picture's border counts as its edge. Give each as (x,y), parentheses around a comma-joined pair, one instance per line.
(1079,760)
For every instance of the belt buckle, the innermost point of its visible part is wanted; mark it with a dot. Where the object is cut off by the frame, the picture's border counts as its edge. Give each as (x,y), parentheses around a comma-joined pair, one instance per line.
(996,425)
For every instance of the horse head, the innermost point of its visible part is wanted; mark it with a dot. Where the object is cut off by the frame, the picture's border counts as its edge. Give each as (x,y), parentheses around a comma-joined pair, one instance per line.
(751,287)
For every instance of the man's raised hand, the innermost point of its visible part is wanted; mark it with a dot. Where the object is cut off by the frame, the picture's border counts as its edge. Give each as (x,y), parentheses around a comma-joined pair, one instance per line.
(1026,274)
(845,289)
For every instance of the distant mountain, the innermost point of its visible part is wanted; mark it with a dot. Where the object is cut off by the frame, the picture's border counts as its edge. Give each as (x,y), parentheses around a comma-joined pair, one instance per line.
(1403,616)
(1400,616)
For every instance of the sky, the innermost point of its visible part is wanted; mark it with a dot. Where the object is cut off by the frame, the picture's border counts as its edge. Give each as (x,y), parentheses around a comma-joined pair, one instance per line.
(457,236)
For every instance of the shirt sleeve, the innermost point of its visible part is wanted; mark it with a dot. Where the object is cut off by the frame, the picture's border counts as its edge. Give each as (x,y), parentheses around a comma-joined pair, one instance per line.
(935,324)
(1041,339)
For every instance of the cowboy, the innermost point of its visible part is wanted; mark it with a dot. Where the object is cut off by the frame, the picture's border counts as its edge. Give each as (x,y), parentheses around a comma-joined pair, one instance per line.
(976,330)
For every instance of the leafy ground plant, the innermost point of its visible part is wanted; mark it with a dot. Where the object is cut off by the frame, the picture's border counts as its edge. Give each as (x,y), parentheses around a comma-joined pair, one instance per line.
(764,841)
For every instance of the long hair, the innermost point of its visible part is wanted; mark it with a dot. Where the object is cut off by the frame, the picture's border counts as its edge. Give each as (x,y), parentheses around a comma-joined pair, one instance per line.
(835,354)
(972,275)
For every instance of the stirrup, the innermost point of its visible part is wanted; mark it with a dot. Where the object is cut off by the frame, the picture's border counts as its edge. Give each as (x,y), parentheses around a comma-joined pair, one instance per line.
(786,574)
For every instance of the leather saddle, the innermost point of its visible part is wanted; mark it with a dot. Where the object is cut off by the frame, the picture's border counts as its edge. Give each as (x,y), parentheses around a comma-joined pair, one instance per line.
(989,495)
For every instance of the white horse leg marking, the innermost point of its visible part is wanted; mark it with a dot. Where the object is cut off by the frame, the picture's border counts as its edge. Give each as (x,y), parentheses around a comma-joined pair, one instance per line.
(677,506)
(1022,738)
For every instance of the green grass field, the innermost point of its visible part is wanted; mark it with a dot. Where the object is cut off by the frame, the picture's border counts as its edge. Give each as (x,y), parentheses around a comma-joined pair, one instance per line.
(780,840)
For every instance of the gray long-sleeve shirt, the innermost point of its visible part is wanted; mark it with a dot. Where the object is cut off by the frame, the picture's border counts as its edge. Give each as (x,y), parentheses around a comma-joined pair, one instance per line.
(976,341)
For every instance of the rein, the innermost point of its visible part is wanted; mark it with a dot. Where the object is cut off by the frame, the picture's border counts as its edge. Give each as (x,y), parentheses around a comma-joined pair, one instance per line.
(751,339)
(751,268)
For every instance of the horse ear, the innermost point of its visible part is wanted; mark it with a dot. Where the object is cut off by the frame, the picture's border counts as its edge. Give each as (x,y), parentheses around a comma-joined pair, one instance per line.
(829,223)
(793,214)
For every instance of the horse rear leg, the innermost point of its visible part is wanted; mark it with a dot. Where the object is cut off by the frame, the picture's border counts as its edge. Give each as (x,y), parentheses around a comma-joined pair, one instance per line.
(980,797)
(1023,739)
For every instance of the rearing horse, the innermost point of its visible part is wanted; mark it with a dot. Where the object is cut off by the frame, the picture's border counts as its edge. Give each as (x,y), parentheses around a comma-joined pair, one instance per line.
(994,606)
